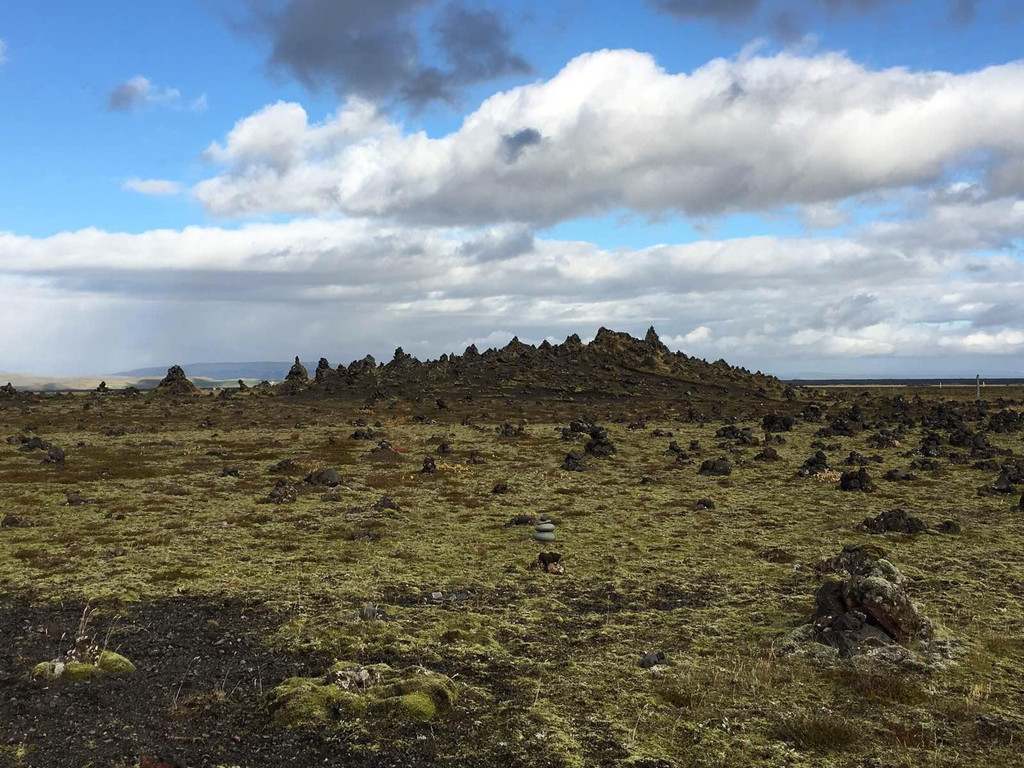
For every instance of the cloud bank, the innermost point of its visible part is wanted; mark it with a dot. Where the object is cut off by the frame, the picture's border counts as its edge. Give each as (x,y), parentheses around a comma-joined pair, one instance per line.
(614,131)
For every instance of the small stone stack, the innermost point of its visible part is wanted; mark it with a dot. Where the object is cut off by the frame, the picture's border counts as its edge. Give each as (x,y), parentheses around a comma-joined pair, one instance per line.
(544,530)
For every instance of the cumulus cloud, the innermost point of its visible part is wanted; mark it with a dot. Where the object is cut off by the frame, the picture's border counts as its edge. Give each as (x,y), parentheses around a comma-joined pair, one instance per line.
(155,187)
(751,134)
(139,91)
(899,292)
(374,50)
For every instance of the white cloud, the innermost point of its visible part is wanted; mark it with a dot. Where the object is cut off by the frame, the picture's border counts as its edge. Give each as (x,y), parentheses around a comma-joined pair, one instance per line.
(613,130)
(345,287)
(157,187)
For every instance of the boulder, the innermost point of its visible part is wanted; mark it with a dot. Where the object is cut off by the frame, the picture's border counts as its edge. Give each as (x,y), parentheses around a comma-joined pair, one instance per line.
(716,467)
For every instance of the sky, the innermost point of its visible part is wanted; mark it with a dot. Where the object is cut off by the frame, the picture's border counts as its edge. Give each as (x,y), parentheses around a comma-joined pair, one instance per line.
(812,188)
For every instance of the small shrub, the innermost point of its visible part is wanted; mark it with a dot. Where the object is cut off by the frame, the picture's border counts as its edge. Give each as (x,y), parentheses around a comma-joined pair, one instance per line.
(819,731)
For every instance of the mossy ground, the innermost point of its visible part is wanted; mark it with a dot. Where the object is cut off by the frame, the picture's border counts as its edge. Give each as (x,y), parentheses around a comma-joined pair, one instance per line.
(546,666)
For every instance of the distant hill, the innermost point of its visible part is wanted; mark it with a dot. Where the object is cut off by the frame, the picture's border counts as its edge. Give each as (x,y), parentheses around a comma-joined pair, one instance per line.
(265,371)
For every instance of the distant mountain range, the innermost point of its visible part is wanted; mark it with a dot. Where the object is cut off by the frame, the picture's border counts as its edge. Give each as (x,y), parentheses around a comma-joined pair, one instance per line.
(264,371)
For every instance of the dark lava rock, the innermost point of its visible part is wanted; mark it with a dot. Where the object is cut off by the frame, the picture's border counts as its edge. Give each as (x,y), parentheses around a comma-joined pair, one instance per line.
(325,476)
(574,462)
(475,458)
(444,447)
(816,464)
(652,659)
(744,436)
(230,472)
(102,387)
(924,465)
(865,603)
(894,521)
(949,526)
(297,379)
(716,467)
(521,520)
(363,434)
(429,466)
(507,430)
(899,476)
(282,493)
(775,422)
(54,455)
(176,383)
(8,390)
(703,504)
(767,454)
(500,487)
(858,480)
(599,444)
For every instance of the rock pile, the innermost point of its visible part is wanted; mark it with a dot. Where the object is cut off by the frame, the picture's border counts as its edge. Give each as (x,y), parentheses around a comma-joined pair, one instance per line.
(857,480)
(176,383)
(815,465)
(864,602)
(544,530)
(575,461)
(599,444)
(297,379)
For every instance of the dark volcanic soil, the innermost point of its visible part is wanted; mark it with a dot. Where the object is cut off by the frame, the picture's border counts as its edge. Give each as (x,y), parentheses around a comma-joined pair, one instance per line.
(199,698)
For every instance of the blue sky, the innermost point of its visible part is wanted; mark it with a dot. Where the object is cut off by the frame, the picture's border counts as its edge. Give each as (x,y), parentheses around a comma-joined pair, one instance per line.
(68,159)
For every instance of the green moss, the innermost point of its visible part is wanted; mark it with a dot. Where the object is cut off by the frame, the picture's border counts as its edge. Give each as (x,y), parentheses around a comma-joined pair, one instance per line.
(47,671)
(303,702)
(115,664)
(79,671)
(418,706)
(315,702)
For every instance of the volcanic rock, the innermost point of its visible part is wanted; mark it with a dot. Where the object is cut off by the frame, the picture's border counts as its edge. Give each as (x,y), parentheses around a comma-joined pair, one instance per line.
(865,604)
(894,521)
(716,467)
(574,462)
(325,476)
(858,480)
(816,464)
(176,383)
(599,444)
(775,422)
(296,381)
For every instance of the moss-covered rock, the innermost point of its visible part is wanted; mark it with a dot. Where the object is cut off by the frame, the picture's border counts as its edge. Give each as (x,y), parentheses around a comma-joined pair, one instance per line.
(350,692)
(107,663)
(47,671)
(115,664)
(79,671)
(304,702)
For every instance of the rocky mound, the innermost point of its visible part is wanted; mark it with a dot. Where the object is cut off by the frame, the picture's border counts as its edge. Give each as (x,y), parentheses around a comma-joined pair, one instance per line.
(176,383)
(614,364)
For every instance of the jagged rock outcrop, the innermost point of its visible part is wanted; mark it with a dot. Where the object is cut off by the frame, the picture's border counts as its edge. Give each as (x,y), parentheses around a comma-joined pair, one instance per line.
(614,364)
